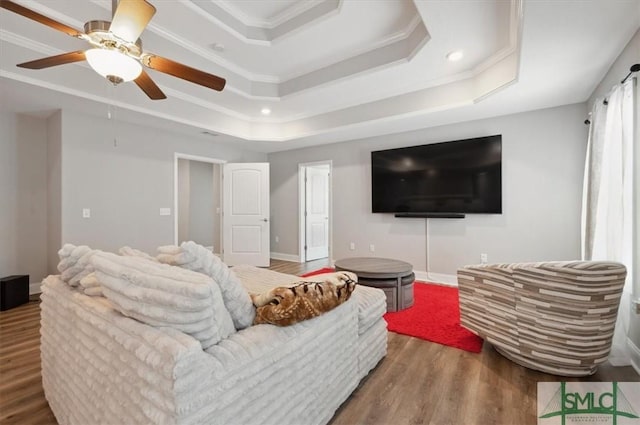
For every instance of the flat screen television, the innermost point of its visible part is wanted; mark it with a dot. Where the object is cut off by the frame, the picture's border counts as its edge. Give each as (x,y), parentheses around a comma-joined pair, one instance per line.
(460,177)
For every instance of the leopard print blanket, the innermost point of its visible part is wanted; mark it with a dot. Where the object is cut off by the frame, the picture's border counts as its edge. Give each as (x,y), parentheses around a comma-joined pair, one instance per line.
(284,306)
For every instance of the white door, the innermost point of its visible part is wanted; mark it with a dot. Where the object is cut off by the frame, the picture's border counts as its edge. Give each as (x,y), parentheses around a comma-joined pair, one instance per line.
(317,212)
(246,214)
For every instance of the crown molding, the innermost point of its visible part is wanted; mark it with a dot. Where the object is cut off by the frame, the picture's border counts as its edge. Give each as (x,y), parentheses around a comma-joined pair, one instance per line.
(238,24)
(374,60)
(274,88)
(48,12)
(398,36)
(378,53)
(179,94)
(211,56)
(22,41)
(291,12)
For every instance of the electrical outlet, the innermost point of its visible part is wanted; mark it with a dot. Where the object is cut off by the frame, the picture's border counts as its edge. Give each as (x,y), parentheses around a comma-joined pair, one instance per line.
(86,213)
(483,258)
(352,246)
(372,248)
(165,211)
(277,239)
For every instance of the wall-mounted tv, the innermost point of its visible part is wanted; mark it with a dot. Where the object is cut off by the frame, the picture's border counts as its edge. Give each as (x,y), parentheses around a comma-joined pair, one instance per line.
(462,176)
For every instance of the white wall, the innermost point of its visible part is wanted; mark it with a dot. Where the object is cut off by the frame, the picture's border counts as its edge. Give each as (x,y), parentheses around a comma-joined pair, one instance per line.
(543,157)
(54,190)
(23,190)
(217,202)
(52,168)
(184,174)
(8,194)
(201,208)
(618,70)
(124,185)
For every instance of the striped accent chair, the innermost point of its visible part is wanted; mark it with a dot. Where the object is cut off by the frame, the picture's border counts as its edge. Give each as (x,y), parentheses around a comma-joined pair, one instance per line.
(555,317)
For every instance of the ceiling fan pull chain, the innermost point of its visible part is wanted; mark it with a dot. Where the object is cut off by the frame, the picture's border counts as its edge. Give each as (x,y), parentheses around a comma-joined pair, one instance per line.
(114,128)
(111,113)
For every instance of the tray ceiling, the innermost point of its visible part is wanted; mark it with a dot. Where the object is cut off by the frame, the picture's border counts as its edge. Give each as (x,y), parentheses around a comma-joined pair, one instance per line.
(328,70)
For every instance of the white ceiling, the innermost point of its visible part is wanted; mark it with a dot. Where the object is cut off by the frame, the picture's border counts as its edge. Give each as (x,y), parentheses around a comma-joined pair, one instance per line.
(329,70)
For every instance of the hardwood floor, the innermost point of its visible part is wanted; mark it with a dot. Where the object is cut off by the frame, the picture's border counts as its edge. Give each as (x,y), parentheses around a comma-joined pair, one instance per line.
(418,382)
(21,397)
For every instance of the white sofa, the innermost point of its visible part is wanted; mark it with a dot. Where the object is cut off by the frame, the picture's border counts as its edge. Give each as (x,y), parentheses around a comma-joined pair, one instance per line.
(99,366)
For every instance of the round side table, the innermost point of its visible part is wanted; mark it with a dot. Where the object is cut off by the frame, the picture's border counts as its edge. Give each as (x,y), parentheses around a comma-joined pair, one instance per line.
(394,277)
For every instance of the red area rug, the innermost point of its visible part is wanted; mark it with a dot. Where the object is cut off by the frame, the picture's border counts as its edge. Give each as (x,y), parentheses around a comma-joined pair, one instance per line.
(319,271)
(434,316)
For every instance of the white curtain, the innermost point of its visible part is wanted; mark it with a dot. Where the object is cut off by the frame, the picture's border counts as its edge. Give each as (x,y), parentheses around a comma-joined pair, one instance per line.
(607,210)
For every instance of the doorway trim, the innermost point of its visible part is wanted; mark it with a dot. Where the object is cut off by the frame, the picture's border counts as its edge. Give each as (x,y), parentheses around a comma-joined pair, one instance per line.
(176,157)
(302,189)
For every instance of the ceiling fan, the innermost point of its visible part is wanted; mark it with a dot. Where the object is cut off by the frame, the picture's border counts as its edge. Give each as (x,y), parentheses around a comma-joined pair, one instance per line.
(116,51)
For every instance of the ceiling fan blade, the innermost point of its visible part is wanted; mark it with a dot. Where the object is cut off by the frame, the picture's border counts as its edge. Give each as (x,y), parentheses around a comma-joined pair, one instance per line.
(131,18)
(54,60)
(185,72)
(149,87)
(28,13)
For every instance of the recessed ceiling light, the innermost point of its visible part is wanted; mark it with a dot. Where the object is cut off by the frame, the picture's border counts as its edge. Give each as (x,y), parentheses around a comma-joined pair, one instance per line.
(265,111)
(454,56)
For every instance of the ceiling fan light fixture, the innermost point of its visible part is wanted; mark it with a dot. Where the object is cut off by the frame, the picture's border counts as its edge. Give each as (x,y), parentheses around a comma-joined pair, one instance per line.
(113,65)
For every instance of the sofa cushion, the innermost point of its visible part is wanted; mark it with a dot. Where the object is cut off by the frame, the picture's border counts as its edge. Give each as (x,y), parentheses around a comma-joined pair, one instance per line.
(127,251)
(372,304)
(161,295)
(191,256)
(75,263)
(91,285)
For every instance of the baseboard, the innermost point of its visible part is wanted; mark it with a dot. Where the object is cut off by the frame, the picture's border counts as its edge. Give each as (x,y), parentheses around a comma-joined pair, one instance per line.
(34,288)
(634,354)
(285,257)
(440,278)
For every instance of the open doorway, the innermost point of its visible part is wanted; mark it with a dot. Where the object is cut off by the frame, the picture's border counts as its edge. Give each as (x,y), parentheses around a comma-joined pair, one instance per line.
(315,210)
(198,201)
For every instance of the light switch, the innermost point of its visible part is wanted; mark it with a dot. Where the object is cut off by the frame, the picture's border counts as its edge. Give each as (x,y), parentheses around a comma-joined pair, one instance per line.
(165,211)
(86,213)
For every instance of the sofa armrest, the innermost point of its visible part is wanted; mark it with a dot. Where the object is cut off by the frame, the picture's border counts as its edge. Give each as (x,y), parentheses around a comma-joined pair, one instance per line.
(487,301)
(99,366)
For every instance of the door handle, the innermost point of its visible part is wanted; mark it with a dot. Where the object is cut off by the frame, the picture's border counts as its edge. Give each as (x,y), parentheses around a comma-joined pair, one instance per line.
(265,220)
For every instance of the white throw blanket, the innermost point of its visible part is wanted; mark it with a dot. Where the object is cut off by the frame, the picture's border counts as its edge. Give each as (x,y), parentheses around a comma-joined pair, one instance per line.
(191,256)
(162,295)
(75,263)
